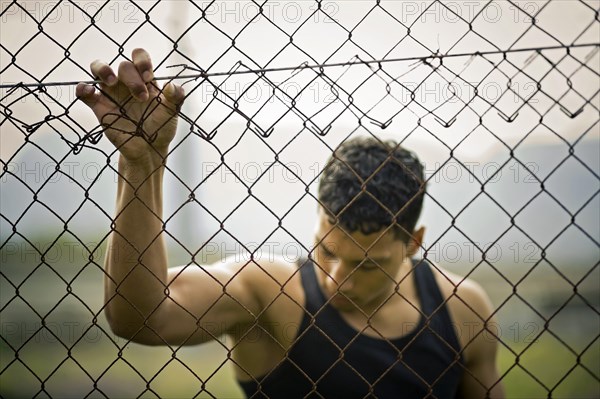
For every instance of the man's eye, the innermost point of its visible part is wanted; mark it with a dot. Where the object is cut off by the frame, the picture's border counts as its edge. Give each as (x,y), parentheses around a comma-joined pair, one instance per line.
(370,266)
(328,254)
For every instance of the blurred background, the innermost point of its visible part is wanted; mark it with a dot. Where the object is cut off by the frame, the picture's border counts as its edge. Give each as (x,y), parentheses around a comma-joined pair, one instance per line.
(509,137)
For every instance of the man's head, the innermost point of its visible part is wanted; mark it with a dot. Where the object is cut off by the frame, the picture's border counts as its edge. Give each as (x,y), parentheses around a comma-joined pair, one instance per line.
(371,194)
(369,186)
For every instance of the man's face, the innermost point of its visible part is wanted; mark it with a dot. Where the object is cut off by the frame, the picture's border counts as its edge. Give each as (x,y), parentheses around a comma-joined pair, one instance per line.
(358,272)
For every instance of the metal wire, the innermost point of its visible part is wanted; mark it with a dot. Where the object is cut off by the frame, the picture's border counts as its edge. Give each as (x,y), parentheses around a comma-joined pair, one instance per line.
(571,62)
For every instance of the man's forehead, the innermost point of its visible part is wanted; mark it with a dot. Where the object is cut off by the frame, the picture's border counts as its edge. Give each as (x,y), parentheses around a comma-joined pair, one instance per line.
(337,238)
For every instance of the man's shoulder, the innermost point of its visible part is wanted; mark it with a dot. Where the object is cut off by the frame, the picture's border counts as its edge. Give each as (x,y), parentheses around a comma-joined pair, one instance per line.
(469,306)
(256,267)
(459,290)
(276,270)
(477,330)
(268,278)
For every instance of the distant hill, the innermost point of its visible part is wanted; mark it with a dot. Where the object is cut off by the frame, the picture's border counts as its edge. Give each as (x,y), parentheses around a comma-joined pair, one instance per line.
(538,217)
(541,217)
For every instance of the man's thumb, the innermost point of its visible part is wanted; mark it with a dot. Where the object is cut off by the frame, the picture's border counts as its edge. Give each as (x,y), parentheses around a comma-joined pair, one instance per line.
(174,94)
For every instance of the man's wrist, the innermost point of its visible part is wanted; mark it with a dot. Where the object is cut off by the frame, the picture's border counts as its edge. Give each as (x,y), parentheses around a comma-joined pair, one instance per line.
(137,171)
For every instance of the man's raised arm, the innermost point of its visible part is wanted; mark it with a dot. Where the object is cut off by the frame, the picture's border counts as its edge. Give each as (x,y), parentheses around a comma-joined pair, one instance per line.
(145,301)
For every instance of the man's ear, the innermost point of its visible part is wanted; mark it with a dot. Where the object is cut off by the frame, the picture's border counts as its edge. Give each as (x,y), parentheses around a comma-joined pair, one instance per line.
(415,241)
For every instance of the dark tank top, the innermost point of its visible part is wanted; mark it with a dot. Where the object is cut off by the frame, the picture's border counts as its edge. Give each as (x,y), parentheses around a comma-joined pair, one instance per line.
(330,359)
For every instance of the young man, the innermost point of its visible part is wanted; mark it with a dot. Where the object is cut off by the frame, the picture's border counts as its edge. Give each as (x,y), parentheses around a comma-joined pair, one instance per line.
(359,319)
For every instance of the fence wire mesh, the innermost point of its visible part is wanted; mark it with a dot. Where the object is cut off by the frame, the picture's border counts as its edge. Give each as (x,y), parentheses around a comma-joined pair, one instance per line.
(500,99)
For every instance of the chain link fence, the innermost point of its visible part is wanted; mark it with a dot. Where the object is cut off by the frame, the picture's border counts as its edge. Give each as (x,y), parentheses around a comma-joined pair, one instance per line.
(500,99)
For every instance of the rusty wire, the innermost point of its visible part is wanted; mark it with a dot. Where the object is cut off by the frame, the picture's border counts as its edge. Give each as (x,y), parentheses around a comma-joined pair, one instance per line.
(61,120)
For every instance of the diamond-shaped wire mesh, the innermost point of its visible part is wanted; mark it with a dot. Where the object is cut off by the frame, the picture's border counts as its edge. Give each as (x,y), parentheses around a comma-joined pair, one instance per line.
(500,99)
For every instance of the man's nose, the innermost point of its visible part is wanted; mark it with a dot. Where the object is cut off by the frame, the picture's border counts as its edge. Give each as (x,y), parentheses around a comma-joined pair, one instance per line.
(342,276)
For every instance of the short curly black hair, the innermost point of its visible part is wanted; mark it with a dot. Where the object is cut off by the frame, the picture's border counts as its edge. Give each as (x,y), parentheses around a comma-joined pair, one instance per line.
(369,185)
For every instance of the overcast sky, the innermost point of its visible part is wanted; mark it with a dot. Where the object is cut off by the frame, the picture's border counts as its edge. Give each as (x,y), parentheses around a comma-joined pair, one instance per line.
(426,100)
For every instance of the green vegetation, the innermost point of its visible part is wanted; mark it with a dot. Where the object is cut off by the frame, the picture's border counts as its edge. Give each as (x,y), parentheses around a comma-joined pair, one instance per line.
(554,366)
(183,375)
(87,352)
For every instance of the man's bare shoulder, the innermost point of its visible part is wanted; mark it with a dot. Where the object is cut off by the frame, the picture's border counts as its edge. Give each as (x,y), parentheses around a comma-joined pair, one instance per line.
(470,309)
(276,290)
(252,283)
(273,279)
(463,294)
(254,271)
(272,270)
(472,314)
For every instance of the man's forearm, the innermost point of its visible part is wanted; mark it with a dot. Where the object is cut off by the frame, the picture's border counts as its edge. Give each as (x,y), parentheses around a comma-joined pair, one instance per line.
(136,262)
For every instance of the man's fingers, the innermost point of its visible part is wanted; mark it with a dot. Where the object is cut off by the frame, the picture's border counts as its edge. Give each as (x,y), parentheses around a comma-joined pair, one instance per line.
(87,94)
(103,72)
(141,60)
(174,94)
(130,76)
(137,76)
(143,63)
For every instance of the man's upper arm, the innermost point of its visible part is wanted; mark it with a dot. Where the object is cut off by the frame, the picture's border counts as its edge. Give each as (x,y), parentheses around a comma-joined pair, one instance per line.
(481,378)
(204,302)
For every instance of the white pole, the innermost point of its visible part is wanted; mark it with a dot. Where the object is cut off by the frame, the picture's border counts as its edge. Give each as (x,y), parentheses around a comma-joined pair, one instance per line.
(187,228)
